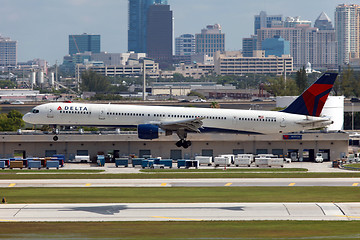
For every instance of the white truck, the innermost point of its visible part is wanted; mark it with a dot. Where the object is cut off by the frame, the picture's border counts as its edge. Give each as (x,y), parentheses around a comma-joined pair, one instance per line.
(243,160)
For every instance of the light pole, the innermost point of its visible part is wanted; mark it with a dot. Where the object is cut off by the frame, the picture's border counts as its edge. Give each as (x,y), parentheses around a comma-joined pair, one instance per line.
(352,116)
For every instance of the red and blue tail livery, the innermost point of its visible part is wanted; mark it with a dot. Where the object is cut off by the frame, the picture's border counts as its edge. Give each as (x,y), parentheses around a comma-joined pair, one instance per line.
(312,101)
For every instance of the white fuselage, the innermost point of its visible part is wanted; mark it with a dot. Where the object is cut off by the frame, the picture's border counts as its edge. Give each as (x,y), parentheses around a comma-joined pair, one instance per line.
(227,120)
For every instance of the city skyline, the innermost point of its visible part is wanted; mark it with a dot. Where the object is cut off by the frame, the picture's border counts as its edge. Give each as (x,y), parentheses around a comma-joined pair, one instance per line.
(42,27)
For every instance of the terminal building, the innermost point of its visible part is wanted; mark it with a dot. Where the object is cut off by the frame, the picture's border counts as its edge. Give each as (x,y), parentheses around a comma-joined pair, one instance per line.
(333,145)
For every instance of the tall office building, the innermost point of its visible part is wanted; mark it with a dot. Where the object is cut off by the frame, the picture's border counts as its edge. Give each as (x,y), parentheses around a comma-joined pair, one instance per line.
(266,21)
(307,44)
(185,45)
(323,22)
(137,26)
(84,43)
(159,34)
(210,40)
(8,50)
(249,46)
(347,27)
(276,46)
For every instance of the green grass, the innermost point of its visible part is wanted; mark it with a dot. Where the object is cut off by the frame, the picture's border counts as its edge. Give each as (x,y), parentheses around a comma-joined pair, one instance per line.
(177,175)
(354,166)
(221,169)
(184,230)
(186,195)
(13,171)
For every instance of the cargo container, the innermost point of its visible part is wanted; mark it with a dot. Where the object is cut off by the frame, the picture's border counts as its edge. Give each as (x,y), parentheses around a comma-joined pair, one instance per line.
(166,162)
(100,160)
(191,163)
(147,163)
(261,161)
(121,162)
(204,160)
(2,164)
(181,163)
(230,156)
(7,161)
(52,164)
(16,164)
(79,158)
(222,161)
(137,161)
(34,164)
(276,162)
(243,160)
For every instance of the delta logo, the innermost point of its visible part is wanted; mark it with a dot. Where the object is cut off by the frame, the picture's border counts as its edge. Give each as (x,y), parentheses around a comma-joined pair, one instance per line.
(72,108)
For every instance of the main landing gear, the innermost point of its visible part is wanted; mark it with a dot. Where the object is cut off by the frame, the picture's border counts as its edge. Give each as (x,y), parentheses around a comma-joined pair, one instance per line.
(182,142)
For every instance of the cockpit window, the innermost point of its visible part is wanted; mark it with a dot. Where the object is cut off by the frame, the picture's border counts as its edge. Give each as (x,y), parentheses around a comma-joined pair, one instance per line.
(35,110)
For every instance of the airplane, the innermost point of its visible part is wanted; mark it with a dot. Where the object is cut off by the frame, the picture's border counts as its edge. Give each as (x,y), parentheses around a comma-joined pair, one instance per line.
(302,114)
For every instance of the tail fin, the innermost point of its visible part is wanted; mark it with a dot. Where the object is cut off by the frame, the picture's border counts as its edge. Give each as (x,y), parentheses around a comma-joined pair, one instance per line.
(312,101)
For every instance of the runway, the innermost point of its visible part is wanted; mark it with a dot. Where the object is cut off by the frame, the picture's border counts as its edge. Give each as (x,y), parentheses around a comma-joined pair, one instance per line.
(230,182)
(179,212)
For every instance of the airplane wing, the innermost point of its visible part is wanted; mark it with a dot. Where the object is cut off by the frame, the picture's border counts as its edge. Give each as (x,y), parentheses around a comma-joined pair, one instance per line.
(190,125)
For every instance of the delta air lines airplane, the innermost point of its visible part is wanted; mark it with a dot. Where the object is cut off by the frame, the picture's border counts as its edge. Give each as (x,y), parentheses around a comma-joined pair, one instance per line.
(302,114)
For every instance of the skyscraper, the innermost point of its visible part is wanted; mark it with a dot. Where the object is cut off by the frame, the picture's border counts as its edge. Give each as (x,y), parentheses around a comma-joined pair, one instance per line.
(8,49)
(84,43)
(185,45)
(347,27)
(159,34)
(137,27)
(210,40)
(323,22)
(265,21)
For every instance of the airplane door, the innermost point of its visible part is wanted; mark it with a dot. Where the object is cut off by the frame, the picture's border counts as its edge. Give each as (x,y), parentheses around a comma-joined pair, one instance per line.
(283,122)
(50,113)
(102,114)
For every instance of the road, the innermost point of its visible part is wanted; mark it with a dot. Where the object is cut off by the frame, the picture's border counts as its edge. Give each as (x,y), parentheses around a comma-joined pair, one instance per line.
(179,212)
(230,182)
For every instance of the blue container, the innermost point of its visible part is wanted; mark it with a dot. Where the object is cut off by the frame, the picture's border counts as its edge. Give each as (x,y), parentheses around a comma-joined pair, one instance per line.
(2,164)
(52,164)
(166,162)
(100,160)
(137,161)
(121,162)
(147,163)
(61,159)
(34,164)
(181,163)
(7,161)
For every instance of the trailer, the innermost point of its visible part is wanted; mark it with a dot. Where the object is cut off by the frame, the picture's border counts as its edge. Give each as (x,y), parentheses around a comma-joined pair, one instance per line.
(121,162)
(16,164)
(276,162)
(52,164)
(262,161)
(204,160)
(34,164)
(137,161)
(222,161)
(243,160)
(2,164)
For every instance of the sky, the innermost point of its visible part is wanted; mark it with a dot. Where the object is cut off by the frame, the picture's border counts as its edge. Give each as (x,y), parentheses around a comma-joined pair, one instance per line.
(42,27)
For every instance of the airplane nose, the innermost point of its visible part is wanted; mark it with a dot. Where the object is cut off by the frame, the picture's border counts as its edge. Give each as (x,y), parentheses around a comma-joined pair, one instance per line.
(27,117)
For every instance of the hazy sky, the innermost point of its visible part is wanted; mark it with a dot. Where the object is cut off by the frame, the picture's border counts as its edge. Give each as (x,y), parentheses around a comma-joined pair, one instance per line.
(41,27)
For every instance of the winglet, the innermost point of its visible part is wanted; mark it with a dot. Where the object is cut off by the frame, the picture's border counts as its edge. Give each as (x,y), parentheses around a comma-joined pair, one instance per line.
(312,101)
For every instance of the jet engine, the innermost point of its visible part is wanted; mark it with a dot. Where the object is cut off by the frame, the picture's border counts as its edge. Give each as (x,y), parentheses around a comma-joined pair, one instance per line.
(148,131)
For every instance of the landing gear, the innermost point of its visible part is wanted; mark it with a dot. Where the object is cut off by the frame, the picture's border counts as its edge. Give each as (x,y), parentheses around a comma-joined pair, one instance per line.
(182,142)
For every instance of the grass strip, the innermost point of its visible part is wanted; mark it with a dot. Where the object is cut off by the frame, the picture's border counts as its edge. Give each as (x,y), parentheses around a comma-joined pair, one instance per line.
(259,230)
(185,195)
(267,170)
(12,171)
(169,175)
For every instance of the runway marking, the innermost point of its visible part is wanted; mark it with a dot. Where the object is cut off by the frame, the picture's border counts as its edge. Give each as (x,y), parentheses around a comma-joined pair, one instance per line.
(292,184)
(163,184)
(346,216)
(5,220)
(88,185)
(170,218)
(355,184)
(228,184)
(12,185)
